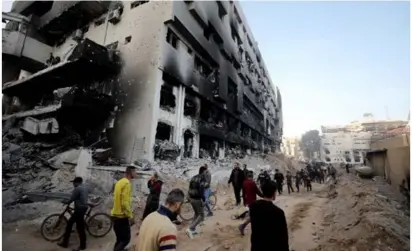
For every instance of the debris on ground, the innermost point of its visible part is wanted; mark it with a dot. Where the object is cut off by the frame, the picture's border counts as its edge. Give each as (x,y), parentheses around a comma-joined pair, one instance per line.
(364,215)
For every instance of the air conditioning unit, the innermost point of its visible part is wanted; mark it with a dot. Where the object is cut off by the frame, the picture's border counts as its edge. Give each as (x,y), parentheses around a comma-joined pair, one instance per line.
(78,35)
(114,16)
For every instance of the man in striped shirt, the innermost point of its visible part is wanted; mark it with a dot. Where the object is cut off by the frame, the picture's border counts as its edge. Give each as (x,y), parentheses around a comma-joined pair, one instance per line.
(157,232)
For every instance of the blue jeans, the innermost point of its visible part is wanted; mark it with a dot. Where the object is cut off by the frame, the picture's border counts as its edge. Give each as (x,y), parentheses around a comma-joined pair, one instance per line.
(207,203)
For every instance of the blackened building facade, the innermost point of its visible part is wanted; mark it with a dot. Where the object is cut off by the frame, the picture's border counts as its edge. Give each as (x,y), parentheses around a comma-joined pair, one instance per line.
(187,72)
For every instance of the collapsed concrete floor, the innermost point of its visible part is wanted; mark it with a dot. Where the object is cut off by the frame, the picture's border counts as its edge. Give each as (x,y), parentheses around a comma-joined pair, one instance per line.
(353,215)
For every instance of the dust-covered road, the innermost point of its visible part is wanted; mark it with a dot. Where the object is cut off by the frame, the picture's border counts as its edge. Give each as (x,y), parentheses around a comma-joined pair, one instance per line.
(219,232)
(352,215)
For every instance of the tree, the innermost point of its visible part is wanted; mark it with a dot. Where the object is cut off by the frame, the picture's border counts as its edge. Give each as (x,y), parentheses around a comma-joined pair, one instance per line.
(310,143)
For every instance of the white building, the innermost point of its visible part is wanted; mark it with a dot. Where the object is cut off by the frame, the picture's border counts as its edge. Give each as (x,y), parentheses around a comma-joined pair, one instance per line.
(344,146)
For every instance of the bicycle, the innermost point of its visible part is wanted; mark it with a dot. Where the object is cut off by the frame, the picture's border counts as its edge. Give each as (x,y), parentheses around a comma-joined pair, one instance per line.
(58,223)
(187,213)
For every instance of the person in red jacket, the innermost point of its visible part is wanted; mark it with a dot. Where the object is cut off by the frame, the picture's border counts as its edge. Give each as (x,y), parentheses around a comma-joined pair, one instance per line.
(250,191)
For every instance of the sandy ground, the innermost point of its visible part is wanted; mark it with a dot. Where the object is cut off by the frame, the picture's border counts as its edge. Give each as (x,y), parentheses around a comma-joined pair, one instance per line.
(303,212)
(352,220)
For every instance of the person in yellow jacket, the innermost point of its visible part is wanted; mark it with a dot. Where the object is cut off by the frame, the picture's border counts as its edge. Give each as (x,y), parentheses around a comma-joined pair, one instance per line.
(122,211)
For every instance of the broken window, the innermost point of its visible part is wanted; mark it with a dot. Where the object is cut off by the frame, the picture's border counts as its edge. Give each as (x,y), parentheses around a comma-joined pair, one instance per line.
(202,67)
(164,131)
(171,38)
(134,4)
(167,98)
(99,21)
(232,90)
(190,108)
(127,39)
(188,137)
(209,147)
(205,111)
(112,46)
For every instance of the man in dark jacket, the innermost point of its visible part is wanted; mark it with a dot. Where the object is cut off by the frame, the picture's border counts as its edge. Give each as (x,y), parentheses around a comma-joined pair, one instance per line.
(298,180)
(250,190)
(263,177)
(269,227)
(152,202)
(289,182)
(236,178)
(245,170)
(197,198)
(80,198)
(279,178)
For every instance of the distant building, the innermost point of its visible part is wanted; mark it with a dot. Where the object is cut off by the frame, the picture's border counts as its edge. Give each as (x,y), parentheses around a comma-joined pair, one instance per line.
(348,143)
(290,147)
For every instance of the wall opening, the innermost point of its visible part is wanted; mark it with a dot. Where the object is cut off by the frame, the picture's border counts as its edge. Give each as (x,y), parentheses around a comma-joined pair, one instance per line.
(188,144)
(232,90)
(163,131)
(171,38)
(209,147)
(167,98)
(190,108)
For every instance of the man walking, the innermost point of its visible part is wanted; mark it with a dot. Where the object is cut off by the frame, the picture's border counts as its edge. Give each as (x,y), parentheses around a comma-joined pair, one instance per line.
(298,180)
(250,190)
(269,227)
(79,197)
(308,183)
(122,212)
(157,231)
(236,178)
(279,178)
(289,182)
(208,181)
(152,202)
(245,170)
(197,198)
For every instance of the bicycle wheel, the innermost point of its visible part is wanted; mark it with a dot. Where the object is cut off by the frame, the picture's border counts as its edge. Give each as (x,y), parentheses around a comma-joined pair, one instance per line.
(53,227)
(99,224)
(213,200)
(186,212)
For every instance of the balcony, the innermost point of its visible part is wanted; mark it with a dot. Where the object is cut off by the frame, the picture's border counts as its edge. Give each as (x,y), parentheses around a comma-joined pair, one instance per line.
(88,62)
(32,53)
(66,16)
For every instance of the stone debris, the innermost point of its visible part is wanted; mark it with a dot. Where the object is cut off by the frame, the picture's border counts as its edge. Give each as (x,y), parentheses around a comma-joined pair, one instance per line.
(370,214)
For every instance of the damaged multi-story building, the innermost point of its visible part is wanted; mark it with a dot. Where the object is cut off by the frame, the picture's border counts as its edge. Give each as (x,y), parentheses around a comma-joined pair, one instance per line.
(187,73)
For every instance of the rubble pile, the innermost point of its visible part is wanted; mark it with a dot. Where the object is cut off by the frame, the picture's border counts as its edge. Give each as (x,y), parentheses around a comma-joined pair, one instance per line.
(47,165)
(369,219)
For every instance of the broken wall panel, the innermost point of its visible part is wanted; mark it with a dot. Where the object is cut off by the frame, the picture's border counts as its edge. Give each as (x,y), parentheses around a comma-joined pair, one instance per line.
(90,62)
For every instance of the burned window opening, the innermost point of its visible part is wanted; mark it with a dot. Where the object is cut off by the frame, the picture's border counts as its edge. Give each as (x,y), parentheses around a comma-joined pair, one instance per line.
(202,67)
(209,147)
(172,38)
(188,137)
(190,108)
(163,131)
(205,112)
(135,4)
(127,39)
(100,21)
(113,46)
(85,29)
(167,98)
(232,90)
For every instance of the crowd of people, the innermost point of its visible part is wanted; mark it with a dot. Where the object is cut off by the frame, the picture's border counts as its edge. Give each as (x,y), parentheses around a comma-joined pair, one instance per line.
(158,229)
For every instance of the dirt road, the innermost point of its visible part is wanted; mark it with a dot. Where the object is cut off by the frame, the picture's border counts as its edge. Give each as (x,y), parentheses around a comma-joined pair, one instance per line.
(303,212)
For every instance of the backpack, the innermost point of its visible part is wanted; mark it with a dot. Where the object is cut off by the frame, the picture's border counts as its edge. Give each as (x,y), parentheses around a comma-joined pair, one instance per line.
(194,187)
